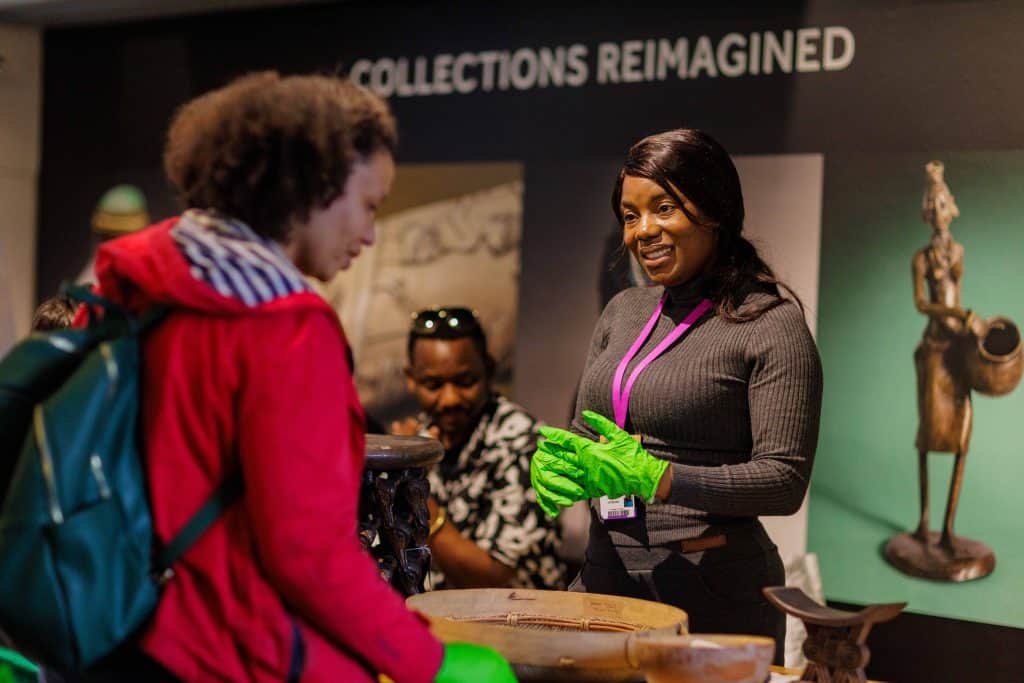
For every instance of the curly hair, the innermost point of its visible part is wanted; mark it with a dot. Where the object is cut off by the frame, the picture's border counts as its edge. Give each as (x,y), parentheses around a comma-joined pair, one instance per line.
(690,161)
(56,313)
(267,149)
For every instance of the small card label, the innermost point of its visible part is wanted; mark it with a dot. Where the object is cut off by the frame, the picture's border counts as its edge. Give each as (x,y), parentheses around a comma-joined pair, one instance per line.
(617,508)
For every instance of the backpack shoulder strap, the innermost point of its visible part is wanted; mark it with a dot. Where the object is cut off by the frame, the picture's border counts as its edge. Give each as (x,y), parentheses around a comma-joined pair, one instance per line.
(83,294)
(224,497)
(226,494)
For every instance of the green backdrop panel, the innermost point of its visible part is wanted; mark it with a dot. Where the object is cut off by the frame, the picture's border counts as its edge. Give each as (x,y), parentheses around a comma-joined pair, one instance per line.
(865,481)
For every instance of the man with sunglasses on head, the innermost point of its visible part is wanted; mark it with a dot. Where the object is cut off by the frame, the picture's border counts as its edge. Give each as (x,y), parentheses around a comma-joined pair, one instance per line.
(486,527)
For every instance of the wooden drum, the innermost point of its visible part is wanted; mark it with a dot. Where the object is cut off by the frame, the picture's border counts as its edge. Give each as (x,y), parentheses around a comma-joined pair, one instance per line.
(560,636)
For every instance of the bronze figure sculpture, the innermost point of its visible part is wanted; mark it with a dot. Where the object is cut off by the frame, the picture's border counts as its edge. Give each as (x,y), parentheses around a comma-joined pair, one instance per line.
(959,352)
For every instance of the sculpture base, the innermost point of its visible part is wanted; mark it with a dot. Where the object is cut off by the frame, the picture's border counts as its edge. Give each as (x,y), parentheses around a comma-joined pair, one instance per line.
(967,561)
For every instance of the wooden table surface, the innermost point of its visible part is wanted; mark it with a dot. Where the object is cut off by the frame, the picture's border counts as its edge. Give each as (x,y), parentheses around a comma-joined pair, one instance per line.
(793,672)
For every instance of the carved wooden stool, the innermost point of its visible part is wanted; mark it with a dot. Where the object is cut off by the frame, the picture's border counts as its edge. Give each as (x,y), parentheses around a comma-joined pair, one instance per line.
(835,645)
(393,518)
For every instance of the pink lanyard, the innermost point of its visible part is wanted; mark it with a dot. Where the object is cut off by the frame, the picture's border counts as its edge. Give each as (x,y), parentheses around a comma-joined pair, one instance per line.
(620,397)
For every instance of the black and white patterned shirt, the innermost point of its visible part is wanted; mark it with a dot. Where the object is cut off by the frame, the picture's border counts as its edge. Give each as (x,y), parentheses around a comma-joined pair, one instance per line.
(486,494)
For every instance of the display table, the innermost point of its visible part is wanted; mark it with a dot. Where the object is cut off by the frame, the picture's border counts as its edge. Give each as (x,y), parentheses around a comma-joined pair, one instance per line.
(781,674)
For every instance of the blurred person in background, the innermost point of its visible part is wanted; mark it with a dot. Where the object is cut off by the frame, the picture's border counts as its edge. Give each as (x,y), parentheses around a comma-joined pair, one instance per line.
(486,527)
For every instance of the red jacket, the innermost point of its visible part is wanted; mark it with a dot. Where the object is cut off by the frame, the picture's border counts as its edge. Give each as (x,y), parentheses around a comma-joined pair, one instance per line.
(266,387)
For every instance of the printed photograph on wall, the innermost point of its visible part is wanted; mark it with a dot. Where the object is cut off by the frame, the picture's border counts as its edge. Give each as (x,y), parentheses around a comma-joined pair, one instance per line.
(920,286)
(448,236)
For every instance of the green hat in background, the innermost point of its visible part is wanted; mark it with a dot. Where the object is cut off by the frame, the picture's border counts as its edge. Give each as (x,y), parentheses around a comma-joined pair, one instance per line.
(122,209)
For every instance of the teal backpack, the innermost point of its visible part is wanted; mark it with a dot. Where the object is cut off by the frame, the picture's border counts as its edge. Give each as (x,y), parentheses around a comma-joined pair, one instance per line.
(80,569)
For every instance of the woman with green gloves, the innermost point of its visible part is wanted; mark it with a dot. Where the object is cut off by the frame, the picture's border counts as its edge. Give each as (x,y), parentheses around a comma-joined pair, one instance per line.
(698,405)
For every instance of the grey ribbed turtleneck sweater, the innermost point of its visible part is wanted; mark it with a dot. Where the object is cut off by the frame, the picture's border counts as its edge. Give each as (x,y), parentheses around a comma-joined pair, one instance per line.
(733,406)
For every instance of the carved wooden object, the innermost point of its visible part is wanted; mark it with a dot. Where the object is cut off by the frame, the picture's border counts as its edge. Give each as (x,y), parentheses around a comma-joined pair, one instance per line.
(551,635)
(836,646)
(565,636)
(393,519)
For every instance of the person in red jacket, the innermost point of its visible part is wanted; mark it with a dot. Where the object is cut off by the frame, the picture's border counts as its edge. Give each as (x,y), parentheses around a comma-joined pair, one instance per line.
(251,372)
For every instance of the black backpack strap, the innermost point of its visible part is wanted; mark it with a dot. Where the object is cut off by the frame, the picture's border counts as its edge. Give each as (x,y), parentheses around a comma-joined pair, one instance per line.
(226,494)
(84,294)
(151,317)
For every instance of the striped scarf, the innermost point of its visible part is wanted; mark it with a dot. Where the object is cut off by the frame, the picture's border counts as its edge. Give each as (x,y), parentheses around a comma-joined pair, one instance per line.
(227,255)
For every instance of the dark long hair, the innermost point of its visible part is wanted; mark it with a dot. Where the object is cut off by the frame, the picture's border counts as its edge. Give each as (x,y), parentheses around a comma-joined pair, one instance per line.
(691,162)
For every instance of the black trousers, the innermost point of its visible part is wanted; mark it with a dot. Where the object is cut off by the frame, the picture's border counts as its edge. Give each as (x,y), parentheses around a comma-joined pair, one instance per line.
(719,589)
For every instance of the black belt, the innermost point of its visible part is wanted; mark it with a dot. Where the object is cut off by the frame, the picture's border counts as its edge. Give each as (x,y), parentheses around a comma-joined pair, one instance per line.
(694,545)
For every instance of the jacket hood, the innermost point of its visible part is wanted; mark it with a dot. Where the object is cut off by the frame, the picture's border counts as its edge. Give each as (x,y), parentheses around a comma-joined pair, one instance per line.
(202,262)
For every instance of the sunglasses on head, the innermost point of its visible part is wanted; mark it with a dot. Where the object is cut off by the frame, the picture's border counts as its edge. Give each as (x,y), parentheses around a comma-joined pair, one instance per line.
(444,321)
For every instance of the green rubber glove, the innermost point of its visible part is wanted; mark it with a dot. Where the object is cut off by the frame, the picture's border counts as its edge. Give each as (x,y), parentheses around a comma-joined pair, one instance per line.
(555,478)
(468,663)
(620,467)
(16,669)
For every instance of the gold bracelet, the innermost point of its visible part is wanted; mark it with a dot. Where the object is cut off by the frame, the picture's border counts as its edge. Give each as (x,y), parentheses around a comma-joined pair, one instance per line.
(436,525)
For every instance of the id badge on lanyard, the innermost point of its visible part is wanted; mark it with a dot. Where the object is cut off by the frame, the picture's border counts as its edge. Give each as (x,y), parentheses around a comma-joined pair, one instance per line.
(617,508)
(625,506)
